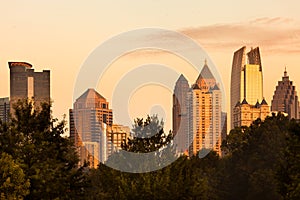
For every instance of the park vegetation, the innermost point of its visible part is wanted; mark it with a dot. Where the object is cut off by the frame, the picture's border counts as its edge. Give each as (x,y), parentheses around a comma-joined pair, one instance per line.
(37,162)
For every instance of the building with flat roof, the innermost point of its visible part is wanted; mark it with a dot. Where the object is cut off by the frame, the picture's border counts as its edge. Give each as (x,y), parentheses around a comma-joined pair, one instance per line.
(25,83)
(116,135)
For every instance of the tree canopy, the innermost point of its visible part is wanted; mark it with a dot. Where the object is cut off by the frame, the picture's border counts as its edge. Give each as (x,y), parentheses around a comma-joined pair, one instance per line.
(36,162)
(46,161)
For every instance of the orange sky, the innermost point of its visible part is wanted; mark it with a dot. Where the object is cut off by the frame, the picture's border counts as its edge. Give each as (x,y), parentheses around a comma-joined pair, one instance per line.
(60,35)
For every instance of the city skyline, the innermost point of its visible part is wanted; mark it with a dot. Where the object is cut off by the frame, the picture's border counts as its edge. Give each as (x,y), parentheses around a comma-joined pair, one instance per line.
(51,37)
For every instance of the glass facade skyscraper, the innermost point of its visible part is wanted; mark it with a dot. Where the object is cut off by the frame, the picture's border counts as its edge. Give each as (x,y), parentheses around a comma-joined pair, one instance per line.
(246,78)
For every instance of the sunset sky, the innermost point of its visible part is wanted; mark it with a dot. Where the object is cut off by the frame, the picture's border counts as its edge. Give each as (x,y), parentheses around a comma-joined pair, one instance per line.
(60,35)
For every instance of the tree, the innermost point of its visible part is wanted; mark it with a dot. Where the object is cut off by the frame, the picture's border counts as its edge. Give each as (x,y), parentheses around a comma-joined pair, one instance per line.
(49,161)
(148,136)
(149,148)
(13,183)
(253,159)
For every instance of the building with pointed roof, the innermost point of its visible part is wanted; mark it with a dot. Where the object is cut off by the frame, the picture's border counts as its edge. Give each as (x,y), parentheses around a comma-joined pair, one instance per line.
(205,113)
(244,113)
(89,114)
(198,120)
(285,98)
(180,114)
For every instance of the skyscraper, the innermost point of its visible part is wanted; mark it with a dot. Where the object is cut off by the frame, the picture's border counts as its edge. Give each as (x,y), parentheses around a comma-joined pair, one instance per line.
(246,78)
(285,98)
(205,108)
(91,114)
(4,109)
(180,113)
(25,83)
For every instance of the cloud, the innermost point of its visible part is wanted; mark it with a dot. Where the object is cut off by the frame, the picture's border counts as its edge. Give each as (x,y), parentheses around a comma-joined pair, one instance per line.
(272,34)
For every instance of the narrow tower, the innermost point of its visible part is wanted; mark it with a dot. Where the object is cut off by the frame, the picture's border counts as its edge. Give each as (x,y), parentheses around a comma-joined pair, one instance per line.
(180,114)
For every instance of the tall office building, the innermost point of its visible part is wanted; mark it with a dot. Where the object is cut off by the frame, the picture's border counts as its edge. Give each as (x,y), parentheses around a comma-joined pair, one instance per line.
(180,114)
(246,78)
(285,98)
(27,84)
(4,109)
(88,121)
(205,118)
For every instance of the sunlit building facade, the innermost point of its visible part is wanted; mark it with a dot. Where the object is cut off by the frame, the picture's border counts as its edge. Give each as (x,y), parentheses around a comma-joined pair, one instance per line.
(25,83)
(285,98)
(90,116)
(246,79)
(244,113)
(205,118)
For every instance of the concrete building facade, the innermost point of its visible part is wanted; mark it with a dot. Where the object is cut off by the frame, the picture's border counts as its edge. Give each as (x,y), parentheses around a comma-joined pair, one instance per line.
(25,83)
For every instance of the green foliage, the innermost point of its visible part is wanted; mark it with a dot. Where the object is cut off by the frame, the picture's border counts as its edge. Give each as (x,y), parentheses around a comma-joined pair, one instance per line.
(257,158)
(148,136)
(48,160)
(261,162)
(149,148)
(13,183)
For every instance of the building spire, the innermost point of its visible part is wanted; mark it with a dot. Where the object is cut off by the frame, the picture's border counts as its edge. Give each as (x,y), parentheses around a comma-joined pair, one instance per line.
(285,72)
(205,61)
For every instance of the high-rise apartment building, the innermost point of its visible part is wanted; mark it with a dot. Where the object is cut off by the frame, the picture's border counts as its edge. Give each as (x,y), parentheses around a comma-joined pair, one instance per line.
(88,120)
(25,83)
(285,98)
(4,109)
(205,118)
(198,121)
(246,79)
(180,114)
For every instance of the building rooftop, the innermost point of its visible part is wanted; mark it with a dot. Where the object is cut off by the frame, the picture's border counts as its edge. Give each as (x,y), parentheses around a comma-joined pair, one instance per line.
(205,73)
(263,102)
(91,93)
(19,64)
(244,101)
